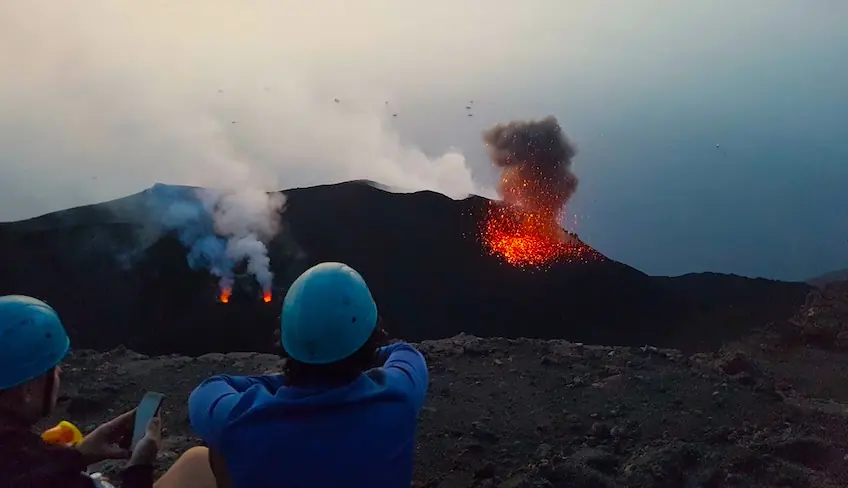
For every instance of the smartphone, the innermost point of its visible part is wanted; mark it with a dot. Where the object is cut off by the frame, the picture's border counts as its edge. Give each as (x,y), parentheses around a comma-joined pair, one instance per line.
(148,407)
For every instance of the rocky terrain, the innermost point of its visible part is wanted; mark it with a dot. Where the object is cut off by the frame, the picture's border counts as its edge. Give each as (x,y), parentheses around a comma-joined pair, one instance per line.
(766,411)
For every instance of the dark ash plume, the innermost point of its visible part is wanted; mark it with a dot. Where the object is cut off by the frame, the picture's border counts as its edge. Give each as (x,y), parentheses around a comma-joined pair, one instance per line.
(535,161)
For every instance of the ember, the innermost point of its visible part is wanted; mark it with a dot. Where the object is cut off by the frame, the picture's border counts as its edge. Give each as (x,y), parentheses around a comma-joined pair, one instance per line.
(525,239)
(226,293)
(266,297)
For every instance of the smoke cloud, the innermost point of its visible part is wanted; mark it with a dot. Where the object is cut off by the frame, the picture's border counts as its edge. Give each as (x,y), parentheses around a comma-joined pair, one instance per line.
(103,99)
(534,158)
(222,228)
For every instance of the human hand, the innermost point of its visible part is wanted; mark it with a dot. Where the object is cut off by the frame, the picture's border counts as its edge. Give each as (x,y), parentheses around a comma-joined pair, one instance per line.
(148,447)
(381,337)
(381,340)
(109,440)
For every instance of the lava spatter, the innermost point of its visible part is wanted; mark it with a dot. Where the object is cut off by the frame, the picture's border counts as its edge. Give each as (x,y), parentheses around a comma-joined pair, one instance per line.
(225,295)
(530,240)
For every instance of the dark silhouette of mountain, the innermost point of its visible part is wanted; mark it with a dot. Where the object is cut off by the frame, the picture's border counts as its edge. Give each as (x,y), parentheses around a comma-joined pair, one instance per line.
(118,278)
(827,278)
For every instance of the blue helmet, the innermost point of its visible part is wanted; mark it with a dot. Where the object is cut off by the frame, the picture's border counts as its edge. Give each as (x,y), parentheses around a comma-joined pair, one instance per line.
(32,340)
(328,314)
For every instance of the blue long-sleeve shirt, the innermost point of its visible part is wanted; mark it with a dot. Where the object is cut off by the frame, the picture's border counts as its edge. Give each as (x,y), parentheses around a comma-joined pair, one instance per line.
(361,434)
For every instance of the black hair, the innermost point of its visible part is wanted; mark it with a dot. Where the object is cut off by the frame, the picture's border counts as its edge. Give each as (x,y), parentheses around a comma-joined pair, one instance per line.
(297,373)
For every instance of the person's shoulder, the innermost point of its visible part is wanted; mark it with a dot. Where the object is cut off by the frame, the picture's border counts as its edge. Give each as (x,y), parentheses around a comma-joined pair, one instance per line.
(402,379)
(377,375)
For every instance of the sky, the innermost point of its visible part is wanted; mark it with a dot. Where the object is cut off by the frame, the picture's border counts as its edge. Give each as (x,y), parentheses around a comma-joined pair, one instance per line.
(712,135)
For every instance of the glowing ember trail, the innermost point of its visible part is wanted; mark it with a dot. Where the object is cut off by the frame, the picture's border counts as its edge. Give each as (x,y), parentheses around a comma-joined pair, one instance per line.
(525,239)
(266,297)
(226,293)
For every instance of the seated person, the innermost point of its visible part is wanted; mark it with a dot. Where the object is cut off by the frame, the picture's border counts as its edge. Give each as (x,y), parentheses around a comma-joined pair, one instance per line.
(329,420)
(33,343)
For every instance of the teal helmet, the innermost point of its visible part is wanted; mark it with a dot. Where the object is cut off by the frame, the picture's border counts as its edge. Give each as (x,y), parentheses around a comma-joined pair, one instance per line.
(32,340)
(328,314)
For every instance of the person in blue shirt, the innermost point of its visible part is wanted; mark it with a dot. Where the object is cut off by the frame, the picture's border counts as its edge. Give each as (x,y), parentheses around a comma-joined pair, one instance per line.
(330,419)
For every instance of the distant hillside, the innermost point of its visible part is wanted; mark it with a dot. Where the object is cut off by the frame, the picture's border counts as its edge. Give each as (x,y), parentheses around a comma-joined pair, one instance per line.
(117,279)
(833,276)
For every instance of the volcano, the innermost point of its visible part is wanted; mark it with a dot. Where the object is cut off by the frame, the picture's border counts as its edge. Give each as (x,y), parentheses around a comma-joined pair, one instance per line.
(118,278)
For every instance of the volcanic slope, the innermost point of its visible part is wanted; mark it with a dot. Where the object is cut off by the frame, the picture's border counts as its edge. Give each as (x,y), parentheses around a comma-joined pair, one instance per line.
(827,278)
(117,279)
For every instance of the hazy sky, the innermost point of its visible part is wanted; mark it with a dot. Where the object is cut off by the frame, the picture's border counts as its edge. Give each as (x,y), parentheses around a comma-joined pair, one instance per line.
(102,98)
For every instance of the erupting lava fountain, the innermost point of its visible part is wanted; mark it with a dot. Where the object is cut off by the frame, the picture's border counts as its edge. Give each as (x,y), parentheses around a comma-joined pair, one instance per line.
(536,182)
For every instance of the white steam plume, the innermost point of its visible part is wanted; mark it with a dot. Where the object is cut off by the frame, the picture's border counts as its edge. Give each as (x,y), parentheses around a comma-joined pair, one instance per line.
(222,228)
(101,99)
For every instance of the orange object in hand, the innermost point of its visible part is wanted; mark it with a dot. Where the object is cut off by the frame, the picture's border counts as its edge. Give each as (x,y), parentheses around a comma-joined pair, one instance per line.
(64,433)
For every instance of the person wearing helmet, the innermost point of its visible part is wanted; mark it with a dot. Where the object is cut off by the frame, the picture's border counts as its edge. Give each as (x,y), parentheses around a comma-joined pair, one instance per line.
(331,418)
(33,342)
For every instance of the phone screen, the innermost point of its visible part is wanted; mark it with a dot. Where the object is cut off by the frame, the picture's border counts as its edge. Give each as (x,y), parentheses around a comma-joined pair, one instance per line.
(147,409)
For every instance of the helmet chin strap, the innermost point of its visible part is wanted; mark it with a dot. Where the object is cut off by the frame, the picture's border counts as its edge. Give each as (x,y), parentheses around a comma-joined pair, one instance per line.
(47,400)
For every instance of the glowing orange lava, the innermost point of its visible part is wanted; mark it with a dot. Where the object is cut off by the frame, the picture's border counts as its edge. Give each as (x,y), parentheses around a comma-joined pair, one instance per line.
(530,240)
(266,297)
(226,293)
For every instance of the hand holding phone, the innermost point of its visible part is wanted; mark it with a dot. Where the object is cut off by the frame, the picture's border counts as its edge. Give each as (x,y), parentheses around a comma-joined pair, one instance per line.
(147,409)
(148,447)
(113,439)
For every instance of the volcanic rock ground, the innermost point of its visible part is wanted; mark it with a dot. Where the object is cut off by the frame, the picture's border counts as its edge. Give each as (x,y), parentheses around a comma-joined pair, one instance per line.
(766,411)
